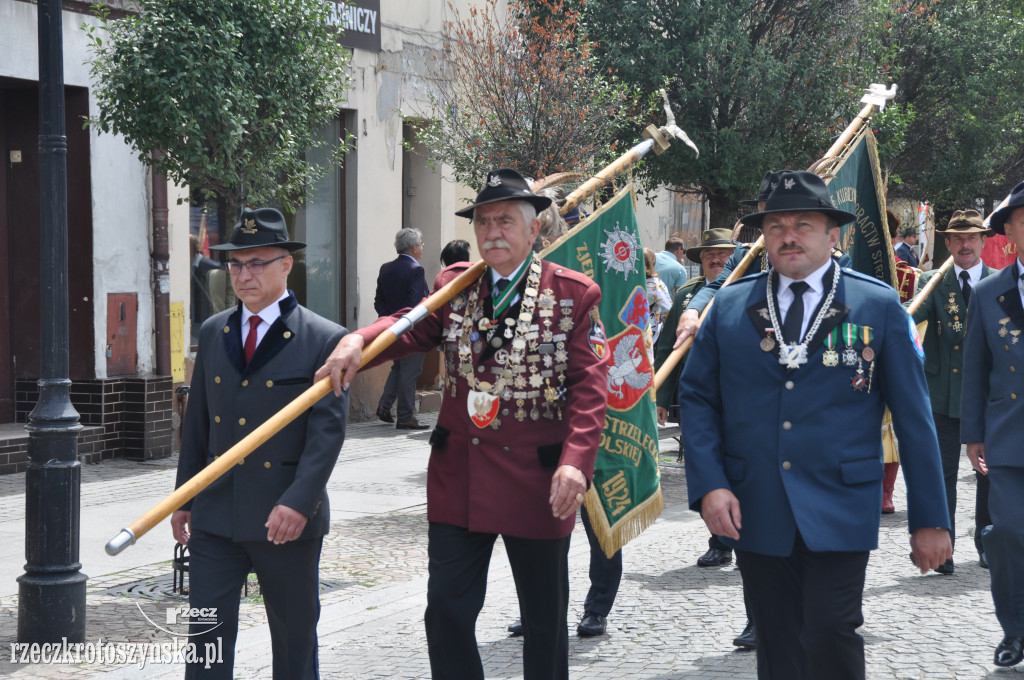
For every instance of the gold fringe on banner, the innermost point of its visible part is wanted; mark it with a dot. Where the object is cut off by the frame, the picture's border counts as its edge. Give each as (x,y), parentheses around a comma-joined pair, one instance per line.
(626,529)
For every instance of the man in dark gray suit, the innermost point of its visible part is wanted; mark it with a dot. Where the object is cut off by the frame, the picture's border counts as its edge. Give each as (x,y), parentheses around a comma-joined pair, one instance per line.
(270,513)
(991,409)
(400,285)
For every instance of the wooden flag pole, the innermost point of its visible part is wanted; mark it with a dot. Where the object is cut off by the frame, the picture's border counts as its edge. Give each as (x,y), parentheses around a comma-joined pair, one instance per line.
(932,284)
(834,151)
(223,463)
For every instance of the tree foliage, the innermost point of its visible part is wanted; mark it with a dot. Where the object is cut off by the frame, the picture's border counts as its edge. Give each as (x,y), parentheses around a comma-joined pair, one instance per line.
(234,92)
(524,92)
(959,66)
(757,84)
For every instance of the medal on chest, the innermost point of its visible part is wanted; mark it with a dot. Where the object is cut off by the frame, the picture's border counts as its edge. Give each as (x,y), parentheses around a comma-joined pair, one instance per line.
(850,356)
(831,357)
(951,306)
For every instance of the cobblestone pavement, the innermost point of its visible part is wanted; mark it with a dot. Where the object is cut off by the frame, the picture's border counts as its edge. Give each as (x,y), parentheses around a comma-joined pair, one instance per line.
(672,620)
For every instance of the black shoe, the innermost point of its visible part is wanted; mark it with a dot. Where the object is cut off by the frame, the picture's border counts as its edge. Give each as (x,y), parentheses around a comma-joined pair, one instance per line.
(411,425)
(983,560)
(946,567)
(384,415)
(515,629)
(1010,651)
(592,625)
(747,639)
(714,557)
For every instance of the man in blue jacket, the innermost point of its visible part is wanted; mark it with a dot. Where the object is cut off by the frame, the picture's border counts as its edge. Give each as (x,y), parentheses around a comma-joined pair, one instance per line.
(782,357)
(991,409)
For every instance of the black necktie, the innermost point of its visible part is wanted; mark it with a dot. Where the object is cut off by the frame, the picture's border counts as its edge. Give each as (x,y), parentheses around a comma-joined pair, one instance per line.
(499,287)
(966,287)
(795,315)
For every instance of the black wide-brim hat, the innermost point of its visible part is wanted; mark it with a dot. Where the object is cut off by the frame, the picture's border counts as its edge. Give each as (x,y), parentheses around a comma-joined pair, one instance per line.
(712,238)
(997,220)
(505,184)
(799,191)
(260,228)
(768,184)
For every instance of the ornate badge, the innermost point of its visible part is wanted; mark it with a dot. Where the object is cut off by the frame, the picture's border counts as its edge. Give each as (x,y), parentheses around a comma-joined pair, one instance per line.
(792,355)
(951,306)
(249,226)
(1003,330)
(482,408)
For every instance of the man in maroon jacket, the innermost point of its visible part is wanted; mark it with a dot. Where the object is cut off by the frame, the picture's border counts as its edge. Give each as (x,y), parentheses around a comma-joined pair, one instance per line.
(521,420)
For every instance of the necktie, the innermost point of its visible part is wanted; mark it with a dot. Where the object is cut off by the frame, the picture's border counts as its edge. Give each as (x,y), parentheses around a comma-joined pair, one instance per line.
(250,340)
(795,316)
(499,287)
(966,287)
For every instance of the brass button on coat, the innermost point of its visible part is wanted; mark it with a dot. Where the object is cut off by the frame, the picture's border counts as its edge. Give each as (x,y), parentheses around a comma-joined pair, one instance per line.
(241,421)
(786,465)
(270,383)
(787,425)
(245,383)
(216,379)
(216,419)
(267,465)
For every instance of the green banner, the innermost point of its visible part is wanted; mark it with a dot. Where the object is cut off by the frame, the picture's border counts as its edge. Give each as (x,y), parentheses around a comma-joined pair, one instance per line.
(625,497)
(856,186)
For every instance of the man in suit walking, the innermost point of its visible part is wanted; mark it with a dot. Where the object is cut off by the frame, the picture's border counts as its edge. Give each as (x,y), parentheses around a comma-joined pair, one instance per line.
(945,310)
(904,250)
(780,360)
(401,285)
(514,446)
(270,512)
(991,410)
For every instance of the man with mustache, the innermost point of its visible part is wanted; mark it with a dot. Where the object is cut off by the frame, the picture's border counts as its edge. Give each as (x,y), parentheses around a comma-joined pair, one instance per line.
(783,396)
(520,423)
(689,320)
(945,310)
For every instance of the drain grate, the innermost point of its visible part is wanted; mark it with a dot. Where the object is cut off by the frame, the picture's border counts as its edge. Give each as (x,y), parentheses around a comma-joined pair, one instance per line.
(162,588)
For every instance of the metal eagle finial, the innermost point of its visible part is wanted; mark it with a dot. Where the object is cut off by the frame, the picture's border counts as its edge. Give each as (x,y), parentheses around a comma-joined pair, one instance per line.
(671,128)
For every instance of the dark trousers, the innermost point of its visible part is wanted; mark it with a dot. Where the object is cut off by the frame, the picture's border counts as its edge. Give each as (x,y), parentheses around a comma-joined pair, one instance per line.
(717,543)
(981,517)
(458,561)
(806,608)
(605,573)
(1004,547)
(401,385)
(289,584)
(948,430)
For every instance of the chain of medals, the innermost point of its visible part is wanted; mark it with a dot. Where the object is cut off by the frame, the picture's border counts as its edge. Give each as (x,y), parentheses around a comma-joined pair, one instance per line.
(794,354)
(518,336)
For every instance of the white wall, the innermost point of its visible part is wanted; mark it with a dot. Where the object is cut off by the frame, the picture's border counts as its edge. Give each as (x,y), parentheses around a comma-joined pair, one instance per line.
(121,219)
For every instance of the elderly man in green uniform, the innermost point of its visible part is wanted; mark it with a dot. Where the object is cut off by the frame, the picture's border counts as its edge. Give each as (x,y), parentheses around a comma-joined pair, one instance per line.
(945,310)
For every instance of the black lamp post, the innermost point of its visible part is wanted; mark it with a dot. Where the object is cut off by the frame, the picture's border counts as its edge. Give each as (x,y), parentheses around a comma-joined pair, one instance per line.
(51,592)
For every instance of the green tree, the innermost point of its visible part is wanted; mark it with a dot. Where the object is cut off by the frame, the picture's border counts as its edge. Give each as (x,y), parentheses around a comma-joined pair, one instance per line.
(959,69)
(523,92)
(757,84)
(233,92)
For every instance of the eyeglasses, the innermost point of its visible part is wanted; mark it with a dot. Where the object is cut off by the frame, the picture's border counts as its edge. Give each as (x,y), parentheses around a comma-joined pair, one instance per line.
(255,267)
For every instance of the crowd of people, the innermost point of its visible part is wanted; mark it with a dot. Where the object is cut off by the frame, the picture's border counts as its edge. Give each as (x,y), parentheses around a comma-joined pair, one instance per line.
(801,341)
